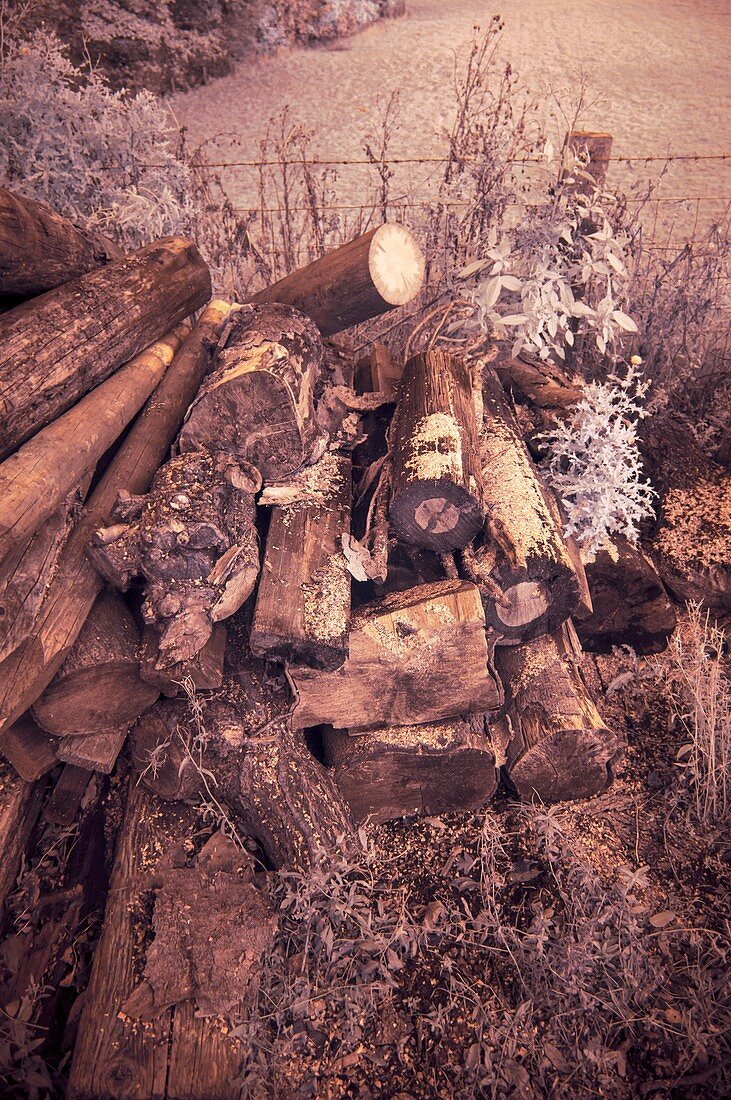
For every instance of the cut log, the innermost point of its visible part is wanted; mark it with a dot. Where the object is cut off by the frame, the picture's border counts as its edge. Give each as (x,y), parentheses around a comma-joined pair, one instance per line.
(405,770)
(99,685)
(557,745)
(26,574)
(194,543)
(364,278)
(96,753)
(62,344)
(631,605)
(40,250)
(436,482)
(65,801)
(415,657)
(204,671)
(116,1055)
(691,545)
(30,750)
(27,671)
(36,479)
(20,805)
(378,372)
(258,403)
(532,585)
(303,603)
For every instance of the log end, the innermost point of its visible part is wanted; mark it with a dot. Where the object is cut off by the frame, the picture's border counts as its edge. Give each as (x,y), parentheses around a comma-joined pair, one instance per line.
(436,515)
(396,264)
(571,764)
(94,700)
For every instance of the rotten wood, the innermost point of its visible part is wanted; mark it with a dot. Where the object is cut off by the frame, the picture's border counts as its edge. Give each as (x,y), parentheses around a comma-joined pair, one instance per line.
(30,750)
(36,479)
(30,668)
(303,602)
(398,771)
(59,346)
(40,250)
(436,498)
(557,746)
(415,657)
(362,279)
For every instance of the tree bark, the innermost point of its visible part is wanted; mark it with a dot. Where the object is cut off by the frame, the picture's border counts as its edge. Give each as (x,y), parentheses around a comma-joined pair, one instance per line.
(96,753)
(195,545)
(26,574)
(40,250)
(403,770)
(99,684)
(436,481)
(532,584)
(30,750)
(59,346)
(258,403)
(35,480)
(303,603)
(364,278)
(415,657)
(557,745)
(27,671)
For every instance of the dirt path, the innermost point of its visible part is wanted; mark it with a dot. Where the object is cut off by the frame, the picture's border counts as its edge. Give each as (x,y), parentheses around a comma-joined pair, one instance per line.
(658,69)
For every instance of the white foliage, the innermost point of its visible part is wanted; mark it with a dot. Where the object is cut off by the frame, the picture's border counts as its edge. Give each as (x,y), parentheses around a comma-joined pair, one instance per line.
(594,463)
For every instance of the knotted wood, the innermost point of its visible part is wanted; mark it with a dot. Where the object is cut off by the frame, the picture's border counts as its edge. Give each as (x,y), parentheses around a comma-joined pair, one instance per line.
(398,771)
(415,657)
(436,481)
(303,603)
(557,744)
(99,685)
(59,346)
(40,250)
(362,279)
(258,402)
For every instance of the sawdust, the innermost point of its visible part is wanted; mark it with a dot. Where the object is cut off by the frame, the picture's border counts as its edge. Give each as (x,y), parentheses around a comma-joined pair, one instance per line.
(435,450)
(319,484)
(326,601)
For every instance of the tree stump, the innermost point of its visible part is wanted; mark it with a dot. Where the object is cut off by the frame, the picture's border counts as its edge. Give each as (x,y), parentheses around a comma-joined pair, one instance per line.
(436,482)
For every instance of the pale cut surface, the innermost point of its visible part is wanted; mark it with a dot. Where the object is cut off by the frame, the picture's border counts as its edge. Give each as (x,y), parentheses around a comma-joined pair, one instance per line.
(396,264)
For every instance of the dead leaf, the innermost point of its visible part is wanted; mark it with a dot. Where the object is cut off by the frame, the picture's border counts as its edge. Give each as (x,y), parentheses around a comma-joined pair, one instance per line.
(661,919)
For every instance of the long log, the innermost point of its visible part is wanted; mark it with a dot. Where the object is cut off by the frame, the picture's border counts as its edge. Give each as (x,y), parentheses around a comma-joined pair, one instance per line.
(364,278)
(258,402)
(532,584)
(26,574)
(20,805)
(36,479)
(195,544)
(436,480)
(30,750)
(62,344)
(40,250)
(415,657)
(403,770)
(557,744)
(303,603)
(99,684)
(28,671)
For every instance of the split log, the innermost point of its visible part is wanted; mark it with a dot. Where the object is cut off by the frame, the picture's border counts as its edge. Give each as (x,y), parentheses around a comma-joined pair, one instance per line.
(691,545)
(630,603)
(65,801)
(532,586)
(30,750)
(20,805)
(115,1055)
(71,595)
(557,745)
(405,770)
(59,346)
(378,372)
(195,544)
(97,752)
(303,603)
(364,278)
(99,685)
(415,657)
(27,573)
(40,250)
(436,482)
(204,671)
(258,403)
(36,479)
